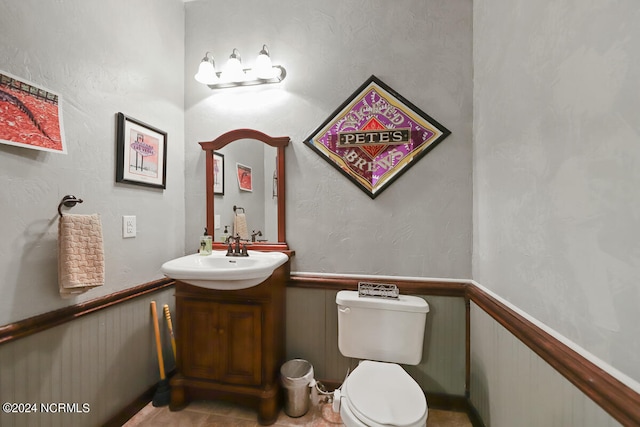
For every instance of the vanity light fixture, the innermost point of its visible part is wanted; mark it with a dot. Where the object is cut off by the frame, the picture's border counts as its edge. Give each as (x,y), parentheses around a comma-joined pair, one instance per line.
(233,73)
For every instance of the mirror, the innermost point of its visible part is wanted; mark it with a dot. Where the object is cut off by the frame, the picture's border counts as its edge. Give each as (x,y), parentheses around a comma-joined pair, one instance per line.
(263,207)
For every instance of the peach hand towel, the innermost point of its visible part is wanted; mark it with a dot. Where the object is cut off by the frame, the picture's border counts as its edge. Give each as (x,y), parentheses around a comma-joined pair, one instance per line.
(240,226)
(80,254)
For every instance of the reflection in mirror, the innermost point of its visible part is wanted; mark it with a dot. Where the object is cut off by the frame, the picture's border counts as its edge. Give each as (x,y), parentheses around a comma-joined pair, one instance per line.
(260,160)
(255,196)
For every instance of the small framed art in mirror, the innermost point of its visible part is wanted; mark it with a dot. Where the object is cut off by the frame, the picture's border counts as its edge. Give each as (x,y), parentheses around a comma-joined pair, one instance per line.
(218,174)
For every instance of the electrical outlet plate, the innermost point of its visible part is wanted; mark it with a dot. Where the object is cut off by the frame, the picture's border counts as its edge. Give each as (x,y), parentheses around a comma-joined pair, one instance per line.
(128,226)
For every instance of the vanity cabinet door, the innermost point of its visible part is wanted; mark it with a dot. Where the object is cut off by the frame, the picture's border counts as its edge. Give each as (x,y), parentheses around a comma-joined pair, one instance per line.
(240,343)
(222,342)
(198,346)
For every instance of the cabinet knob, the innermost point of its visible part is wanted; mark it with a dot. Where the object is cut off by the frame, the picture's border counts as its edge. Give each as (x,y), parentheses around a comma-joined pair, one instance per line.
(221,331)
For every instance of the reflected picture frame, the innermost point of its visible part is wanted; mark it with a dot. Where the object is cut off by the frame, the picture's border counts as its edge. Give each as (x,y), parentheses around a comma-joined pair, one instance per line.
(218,174)
(245,179)
(141,153)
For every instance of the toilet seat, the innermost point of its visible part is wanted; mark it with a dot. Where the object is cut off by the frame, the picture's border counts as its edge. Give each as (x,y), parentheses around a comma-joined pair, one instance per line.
(382,394)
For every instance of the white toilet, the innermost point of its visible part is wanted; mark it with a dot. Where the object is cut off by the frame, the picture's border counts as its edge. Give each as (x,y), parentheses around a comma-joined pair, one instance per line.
(381,332)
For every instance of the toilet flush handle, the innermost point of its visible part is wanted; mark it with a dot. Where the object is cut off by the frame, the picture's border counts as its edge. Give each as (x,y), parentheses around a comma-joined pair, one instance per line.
(345,310)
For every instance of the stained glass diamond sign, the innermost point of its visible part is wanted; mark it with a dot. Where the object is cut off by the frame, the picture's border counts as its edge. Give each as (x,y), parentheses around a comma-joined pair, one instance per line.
(375,136)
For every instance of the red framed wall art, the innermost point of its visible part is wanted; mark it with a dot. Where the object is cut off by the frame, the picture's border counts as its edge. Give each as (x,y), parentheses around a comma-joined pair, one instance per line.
(30,116)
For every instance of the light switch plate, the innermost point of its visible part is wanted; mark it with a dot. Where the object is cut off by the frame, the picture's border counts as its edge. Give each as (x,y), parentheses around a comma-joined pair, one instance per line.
(216,222)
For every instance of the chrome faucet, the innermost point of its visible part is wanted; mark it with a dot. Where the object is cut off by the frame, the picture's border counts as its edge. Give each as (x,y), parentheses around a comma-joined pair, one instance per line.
(237,250)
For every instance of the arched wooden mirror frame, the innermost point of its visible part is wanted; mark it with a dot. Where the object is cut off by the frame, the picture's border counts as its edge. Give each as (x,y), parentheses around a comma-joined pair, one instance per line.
(279,143)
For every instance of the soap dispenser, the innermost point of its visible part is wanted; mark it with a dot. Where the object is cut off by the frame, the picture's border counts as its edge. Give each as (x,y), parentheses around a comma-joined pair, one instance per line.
(225,234)
(205,244)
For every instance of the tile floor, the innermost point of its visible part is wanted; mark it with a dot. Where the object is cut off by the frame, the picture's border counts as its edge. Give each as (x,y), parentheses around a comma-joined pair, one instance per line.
(207,413)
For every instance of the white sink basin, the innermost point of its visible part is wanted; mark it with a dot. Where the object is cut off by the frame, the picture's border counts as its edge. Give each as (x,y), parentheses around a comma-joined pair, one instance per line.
(218,271)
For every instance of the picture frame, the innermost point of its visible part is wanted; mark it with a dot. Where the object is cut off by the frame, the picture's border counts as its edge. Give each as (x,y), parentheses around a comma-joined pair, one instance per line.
(218,173)
(31,116)
(141,153)
(245,181)
(375,136)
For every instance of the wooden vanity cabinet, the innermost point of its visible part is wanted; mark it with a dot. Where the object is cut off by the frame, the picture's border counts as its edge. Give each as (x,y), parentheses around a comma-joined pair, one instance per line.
(226,344)
(231,344)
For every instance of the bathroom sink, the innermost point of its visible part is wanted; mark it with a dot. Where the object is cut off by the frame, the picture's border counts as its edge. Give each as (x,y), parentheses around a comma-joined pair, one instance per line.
(218,271)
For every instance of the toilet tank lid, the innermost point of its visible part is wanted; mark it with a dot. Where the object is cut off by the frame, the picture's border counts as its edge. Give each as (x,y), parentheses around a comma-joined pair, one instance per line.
(403,303)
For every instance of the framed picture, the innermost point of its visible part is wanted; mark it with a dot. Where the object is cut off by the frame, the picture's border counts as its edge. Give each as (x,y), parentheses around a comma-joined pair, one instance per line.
(31,116)
(142,153)
(218,173)
(244,177)
(375,136)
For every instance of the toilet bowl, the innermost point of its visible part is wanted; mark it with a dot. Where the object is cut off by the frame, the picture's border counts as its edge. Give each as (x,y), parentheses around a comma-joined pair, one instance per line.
(380,394)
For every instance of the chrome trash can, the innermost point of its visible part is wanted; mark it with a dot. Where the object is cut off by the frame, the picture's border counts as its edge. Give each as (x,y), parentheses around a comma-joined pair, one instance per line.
(296,376)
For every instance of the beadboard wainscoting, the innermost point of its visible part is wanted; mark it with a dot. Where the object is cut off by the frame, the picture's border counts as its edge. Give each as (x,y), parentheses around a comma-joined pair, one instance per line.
(94,358)
(481,356)
(312,334)
(524,373)
(511,383)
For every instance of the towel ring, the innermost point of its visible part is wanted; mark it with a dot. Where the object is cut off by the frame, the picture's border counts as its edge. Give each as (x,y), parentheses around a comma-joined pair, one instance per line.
(68,201)
(237,208)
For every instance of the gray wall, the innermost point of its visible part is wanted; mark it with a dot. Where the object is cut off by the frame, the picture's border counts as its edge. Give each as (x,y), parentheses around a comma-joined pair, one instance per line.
(420,225)
(102,58)
(556,168)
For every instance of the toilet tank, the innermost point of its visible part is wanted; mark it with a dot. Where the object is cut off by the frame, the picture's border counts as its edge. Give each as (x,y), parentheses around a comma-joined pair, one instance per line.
(386,330)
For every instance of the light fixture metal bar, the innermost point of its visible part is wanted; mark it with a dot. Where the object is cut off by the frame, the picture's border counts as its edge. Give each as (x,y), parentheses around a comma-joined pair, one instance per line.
(252,82)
